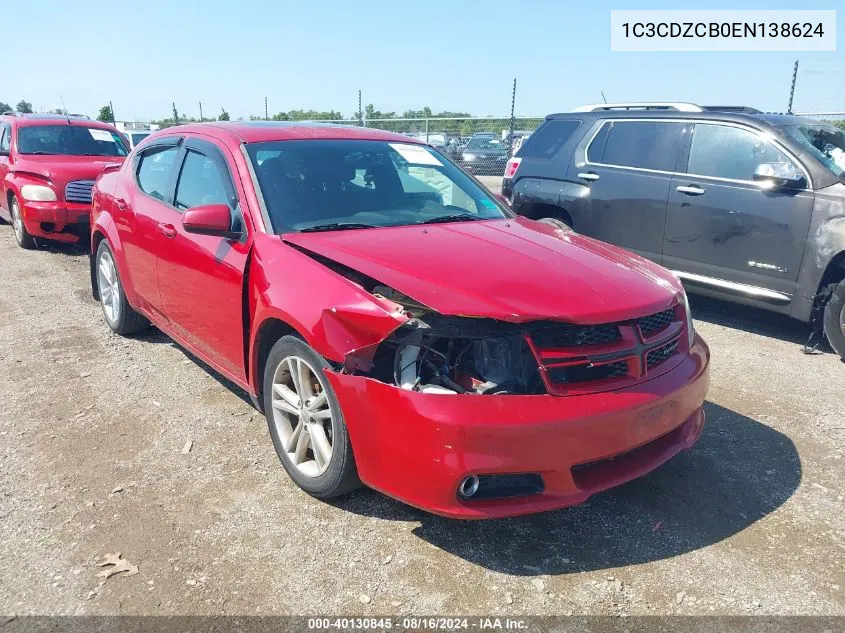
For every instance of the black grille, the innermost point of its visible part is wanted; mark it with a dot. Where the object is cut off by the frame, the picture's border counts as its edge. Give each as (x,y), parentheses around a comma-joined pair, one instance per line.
(654,323)
(582,373)
(79,191)
(661,354)
(565,335)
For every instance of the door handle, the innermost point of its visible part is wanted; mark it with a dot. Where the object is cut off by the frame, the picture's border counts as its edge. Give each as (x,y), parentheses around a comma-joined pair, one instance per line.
(588,175)
(168,230)
(121,205)
(690,190)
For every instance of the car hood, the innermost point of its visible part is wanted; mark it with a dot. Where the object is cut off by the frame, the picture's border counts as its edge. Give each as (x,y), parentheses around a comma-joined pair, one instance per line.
(61,170)
(513,270)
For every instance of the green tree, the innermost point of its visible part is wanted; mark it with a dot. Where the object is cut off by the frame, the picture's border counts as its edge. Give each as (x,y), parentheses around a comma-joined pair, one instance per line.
(106,114)
(5,107)
(24,107)
(224,116)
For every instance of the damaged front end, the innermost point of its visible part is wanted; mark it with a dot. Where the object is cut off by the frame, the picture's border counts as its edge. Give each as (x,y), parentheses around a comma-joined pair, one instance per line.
(433,353)
(409,345)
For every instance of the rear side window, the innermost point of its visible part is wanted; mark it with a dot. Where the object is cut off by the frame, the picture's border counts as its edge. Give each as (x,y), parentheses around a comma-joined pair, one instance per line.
(200,182)
(640,144)
(154,168)
(547,141)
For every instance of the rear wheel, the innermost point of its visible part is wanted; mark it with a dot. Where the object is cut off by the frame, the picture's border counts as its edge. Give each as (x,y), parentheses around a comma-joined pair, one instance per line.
(834,319)
(305,421)
(24,239)
(121,317)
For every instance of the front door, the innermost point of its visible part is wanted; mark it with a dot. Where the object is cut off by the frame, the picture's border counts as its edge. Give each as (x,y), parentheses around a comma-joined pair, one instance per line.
(723,224)
(628,166)
(200,276)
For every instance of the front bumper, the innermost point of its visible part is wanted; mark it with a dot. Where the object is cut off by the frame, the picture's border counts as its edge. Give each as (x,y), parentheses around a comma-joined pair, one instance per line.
(51,219)
(418,447)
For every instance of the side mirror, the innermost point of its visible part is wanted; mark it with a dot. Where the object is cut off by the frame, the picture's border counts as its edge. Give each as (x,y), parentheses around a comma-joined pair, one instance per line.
(210,219)
(777,174)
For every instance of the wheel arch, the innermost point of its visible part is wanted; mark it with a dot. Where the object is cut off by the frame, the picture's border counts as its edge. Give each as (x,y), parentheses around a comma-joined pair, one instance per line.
(267,333)
(537,210)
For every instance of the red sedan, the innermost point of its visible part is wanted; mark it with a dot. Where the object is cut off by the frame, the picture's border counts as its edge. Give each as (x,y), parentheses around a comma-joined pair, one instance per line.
(397,324)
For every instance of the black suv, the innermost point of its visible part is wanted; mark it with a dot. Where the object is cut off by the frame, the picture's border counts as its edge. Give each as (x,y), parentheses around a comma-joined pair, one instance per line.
(741,205)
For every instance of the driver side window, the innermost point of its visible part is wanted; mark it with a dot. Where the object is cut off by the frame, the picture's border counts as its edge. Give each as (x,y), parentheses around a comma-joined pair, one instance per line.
(5,138)
(722,151)
(200,182)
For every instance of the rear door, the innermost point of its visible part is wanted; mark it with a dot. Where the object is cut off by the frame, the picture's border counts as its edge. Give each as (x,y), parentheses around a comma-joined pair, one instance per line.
(627,166)
(724,225)
(141,205)
(5,145)
(201,276)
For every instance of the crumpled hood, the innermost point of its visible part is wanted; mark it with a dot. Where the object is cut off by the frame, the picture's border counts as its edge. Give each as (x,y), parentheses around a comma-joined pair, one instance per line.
(513,270)
(60,170)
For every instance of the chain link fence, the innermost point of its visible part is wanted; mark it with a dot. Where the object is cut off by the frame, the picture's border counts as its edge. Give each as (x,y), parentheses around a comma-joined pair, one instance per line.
(482,145)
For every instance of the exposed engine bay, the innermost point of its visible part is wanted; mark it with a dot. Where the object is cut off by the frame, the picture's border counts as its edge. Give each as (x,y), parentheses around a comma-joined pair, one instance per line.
(433,353)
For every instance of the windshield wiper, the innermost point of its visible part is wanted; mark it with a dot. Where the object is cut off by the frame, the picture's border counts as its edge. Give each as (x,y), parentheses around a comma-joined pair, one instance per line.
(38,152)
(338,226)
(456,217)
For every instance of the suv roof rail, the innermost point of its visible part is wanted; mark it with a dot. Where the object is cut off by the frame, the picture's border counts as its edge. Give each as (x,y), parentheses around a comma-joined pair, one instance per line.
(729,108)
(677,106)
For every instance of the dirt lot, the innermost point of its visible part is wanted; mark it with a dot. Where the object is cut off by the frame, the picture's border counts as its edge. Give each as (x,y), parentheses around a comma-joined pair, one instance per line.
(92,430)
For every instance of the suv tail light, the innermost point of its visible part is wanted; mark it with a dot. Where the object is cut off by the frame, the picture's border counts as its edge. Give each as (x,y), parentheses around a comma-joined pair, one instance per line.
(512,166)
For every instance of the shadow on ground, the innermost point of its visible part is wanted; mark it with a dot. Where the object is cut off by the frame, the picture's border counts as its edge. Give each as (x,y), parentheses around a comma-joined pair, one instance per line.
(740,471)
(748,319)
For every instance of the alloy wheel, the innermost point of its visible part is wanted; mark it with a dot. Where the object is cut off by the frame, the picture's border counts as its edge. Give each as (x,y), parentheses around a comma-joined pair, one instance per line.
(303,416)
(109,286)
(17,222)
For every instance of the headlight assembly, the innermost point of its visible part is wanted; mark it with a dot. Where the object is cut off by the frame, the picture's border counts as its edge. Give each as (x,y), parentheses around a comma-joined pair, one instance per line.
(38,193)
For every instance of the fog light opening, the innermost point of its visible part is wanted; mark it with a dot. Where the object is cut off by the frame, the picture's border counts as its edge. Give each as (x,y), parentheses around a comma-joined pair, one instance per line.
(468,487)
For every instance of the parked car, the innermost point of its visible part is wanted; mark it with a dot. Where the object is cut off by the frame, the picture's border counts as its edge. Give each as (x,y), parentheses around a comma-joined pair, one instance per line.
(484,154)
(48,164)
(136,136)
(404,330)
(744,206)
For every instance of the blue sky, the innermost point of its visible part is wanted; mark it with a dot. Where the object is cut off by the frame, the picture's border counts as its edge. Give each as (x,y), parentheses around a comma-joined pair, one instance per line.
(446,54)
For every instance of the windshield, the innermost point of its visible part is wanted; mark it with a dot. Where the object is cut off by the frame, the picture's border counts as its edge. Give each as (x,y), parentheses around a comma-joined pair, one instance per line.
(69,140)
(337,184)
(485,142)
(825,142)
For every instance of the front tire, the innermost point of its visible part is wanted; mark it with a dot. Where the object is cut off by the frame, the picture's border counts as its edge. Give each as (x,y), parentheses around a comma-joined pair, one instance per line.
(24,239)
(834,319)
(305,421)
(120,316)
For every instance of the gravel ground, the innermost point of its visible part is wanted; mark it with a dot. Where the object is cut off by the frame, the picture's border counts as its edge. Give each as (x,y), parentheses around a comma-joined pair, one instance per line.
(93,429)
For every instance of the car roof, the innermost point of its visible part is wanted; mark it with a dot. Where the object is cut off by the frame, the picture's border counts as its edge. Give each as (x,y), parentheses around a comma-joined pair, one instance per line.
(26,120)
(772,119)
(264,131)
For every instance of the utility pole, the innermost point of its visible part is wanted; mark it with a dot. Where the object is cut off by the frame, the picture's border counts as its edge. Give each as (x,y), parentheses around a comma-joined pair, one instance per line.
(792,89)
(111,111)
(513,120)
(360,110)
(200,111)
(266,113)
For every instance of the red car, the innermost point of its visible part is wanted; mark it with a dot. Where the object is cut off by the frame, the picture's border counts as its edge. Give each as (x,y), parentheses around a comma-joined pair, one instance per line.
(397,324)
(48,164)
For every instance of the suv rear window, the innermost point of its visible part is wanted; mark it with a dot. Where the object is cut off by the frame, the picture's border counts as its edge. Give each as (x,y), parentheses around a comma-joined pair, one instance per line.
(547,141)
(641,144)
